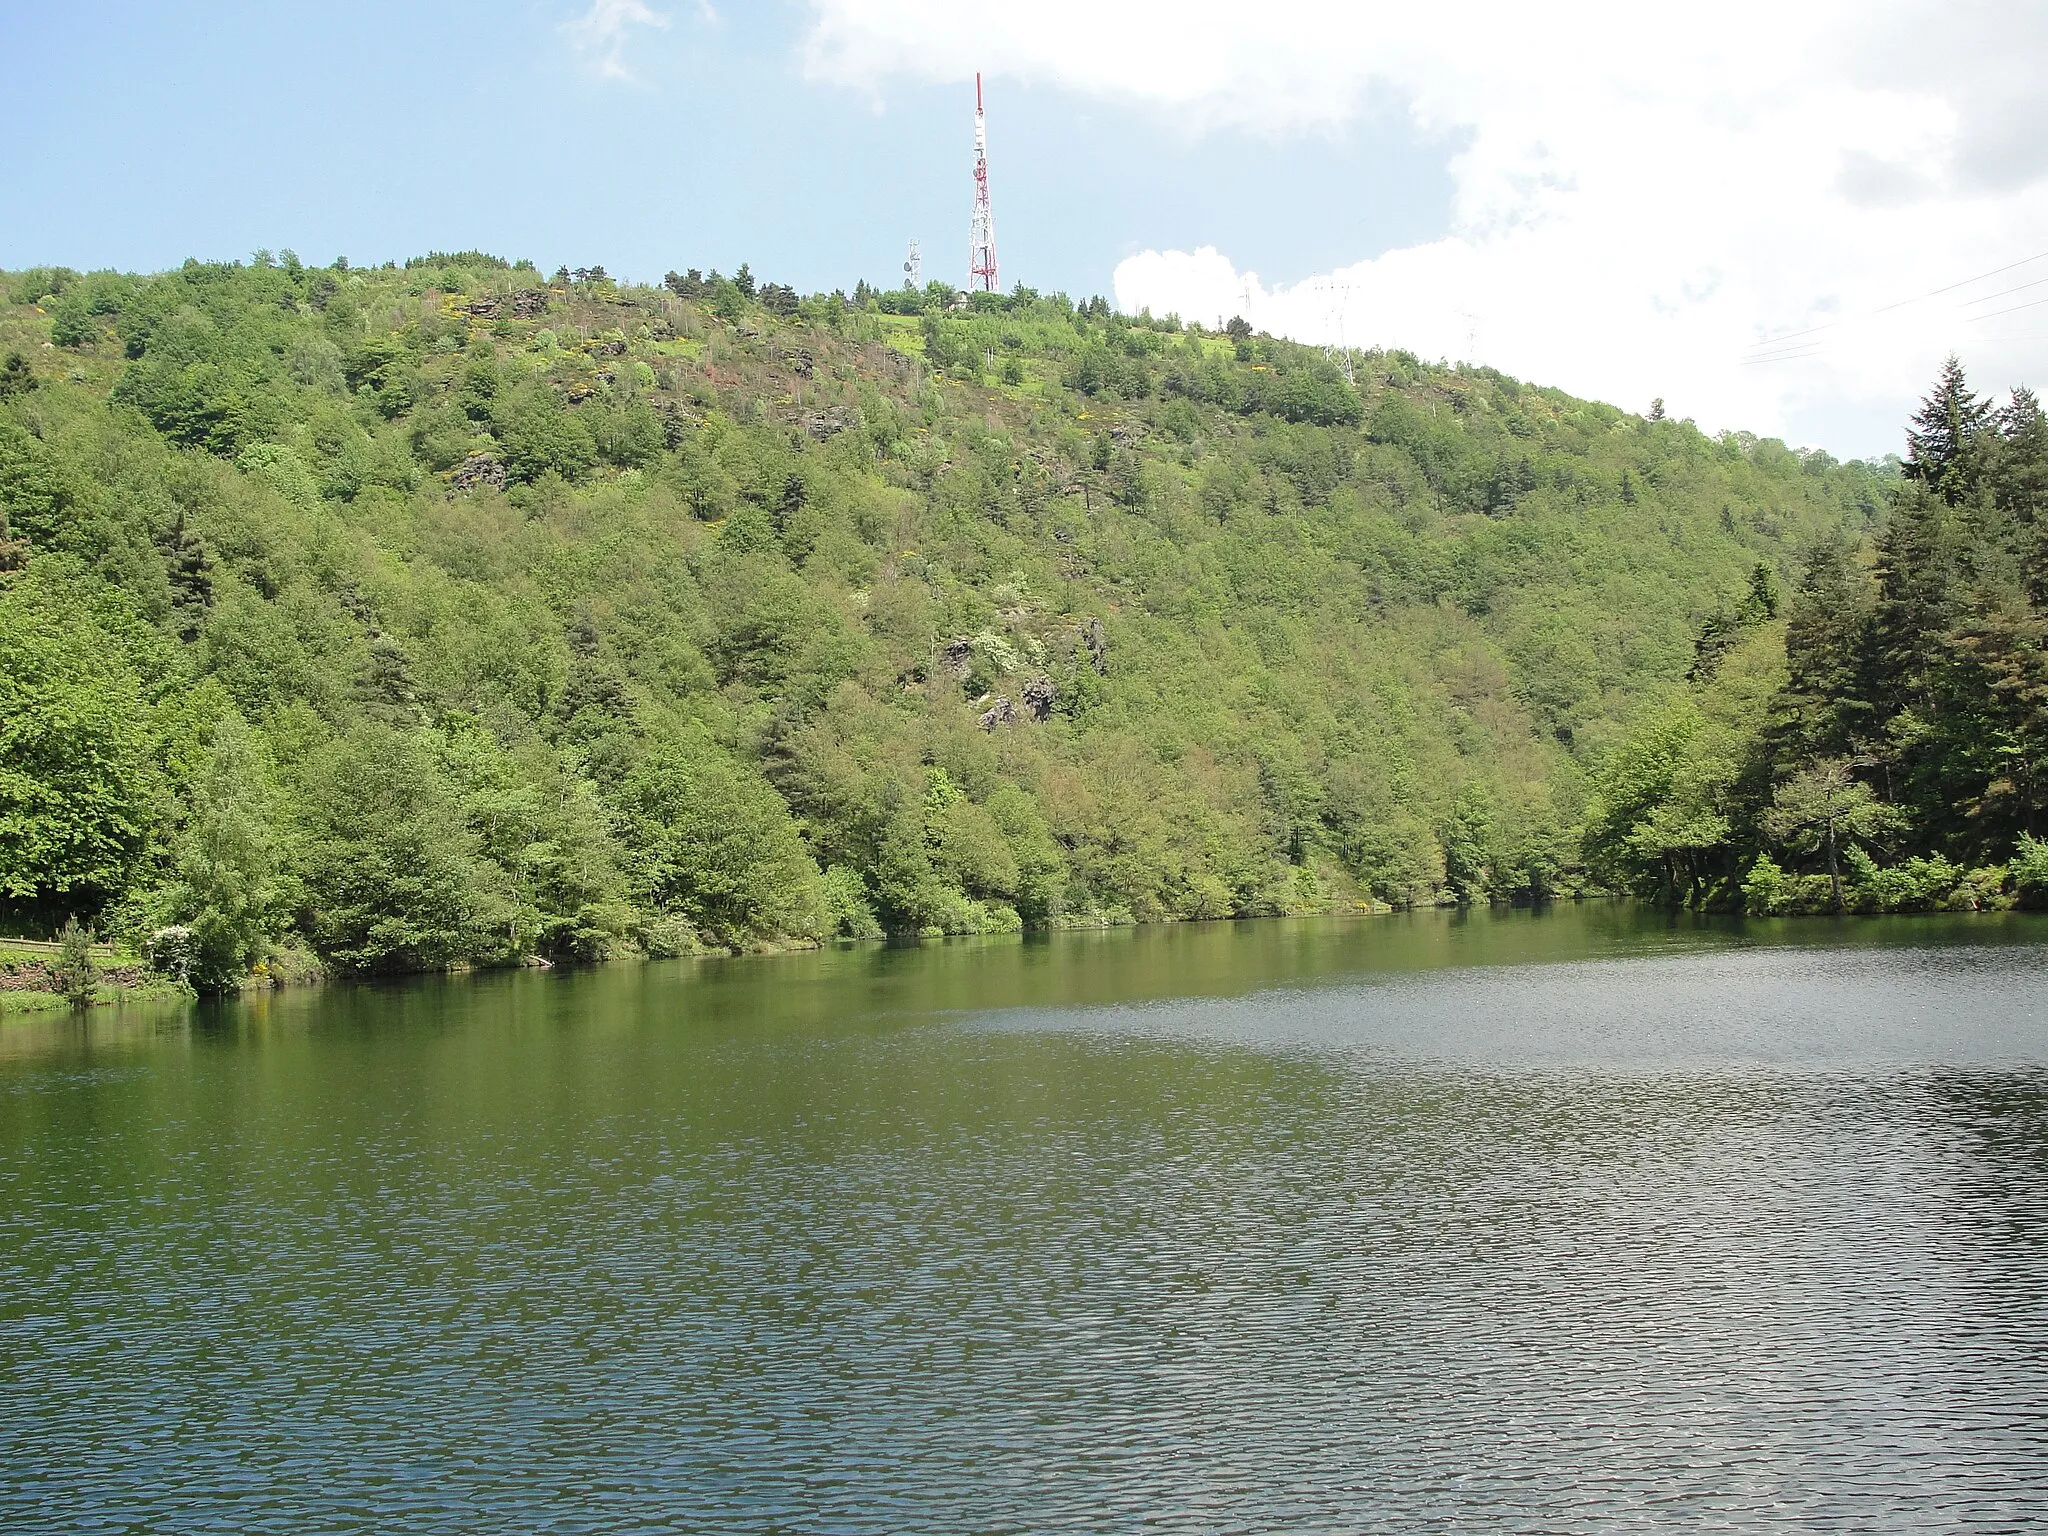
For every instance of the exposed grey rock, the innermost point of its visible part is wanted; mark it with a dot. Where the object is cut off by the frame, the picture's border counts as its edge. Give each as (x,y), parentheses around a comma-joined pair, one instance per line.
(1002,712)
(1039,696)
(479,469)
(957,656)
(523,305)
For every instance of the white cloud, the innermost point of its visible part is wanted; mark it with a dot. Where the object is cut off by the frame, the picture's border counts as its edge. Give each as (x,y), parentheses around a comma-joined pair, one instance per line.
(600,34)
(1644,198)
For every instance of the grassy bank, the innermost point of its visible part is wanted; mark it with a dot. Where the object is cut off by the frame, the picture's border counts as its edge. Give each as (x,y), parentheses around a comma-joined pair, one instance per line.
(29,982)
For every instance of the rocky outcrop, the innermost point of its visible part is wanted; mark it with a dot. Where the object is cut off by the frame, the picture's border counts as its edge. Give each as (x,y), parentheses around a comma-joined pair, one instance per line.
(1039,697)
(477,471)
(1001,712)
(819,425)
(1096,643)
(526,304)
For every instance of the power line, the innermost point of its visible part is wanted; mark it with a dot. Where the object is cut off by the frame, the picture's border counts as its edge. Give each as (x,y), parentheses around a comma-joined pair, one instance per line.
(1814,330)
(1952,287)
(1786,357)
(2036,304)
(2022,288)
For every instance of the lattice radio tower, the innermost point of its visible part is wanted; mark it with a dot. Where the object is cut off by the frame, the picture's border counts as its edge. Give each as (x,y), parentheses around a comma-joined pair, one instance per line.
(981,249)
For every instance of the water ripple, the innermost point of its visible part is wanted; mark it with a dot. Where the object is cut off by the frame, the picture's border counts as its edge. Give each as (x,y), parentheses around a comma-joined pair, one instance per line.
(1364,1258)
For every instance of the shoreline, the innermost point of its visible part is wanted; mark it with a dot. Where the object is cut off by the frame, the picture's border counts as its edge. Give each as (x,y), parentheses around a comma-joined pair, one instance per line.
(41,1006)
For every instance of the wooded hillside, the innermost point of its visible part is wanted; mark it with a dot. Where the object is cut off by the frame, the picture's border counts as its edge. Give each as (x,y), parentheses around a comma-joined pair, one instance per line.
(449,613)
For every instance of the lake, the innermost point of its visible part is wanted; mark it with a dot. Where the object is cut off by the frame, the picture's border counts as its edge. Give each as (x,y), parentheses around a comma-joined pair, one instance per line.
(1581,1220)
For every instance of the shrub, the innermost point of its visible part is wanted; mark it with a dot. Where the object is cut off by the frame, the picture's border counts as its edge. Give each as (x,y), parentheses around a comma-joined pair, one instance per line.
(2029,872)
(848,909)
(1768,889)
(1917,885)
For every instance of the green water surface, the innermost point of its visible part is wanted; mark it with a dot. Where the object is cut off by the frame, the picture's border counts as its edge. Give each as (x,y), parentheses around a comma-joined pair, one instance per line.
(1586,1219)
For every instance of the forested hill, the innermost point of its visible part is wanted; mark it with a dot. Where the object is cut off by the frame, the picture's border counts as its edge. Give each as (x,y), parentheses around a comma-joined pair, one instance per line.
(449,613)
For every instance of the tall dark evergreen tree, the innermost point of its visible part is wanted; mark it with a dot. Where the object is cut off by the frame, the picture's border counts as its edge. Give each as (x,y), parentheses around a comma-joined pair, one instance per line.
(15,377)
(2021,485)
(190,572)
(1826,709)
(1942,431)
(1916,590)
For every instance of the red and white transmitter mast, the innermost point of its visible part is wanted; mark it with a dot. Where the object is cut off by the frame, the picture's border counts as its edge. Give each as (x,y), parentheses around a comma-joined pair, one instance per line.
(981,249)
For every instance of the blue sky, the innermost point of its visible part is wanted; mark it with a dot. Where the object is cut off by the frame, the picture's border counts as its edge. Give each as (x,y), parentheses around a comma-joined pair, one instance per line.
(148,133)
(1773,218)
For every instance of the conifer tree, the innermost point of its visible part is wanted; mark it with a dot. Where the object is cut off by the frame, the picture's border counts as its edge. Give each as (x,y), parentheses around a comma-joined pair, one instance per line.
(15,378)
(1917,586)
(1822,807)
(190,572)
(1826,706)
(1948,422)
(2021,485)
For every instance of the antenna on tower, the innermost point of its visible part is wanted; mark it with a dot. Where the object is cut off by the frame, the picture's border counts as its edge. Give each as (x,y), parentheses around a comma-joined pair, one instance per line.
(913,267)
(981,243)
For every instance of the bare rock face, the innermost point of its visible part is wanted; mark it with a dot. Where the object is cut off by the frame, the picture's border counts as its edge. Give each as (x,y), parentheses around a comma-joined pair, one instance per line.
(1001,712)
(957,657)
(801,362)
(611,346)
(479,469)
(819,425)
(1039,696)
(1097,645)
(523,305)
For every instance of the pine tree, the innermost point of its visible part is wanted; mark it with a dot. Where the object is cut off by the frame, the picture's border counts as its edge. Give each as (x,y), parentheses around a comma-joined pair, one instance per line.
(15,377)
(1826,707)
(1948,422)
(1822,807)
(190,572)
(1917,574)
(2020,485)
(1993,735)
(74,970)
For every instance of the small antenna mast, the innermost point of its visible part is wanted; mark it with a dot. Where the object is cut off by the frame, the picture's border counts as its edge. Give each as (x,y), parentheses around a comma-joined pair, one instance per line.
(913,267)
(1340,353)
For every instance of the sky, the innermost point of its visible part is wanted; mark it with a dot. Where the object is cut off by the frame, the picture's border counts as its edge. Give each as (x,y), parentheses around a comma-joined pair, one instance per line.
(1775,217)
